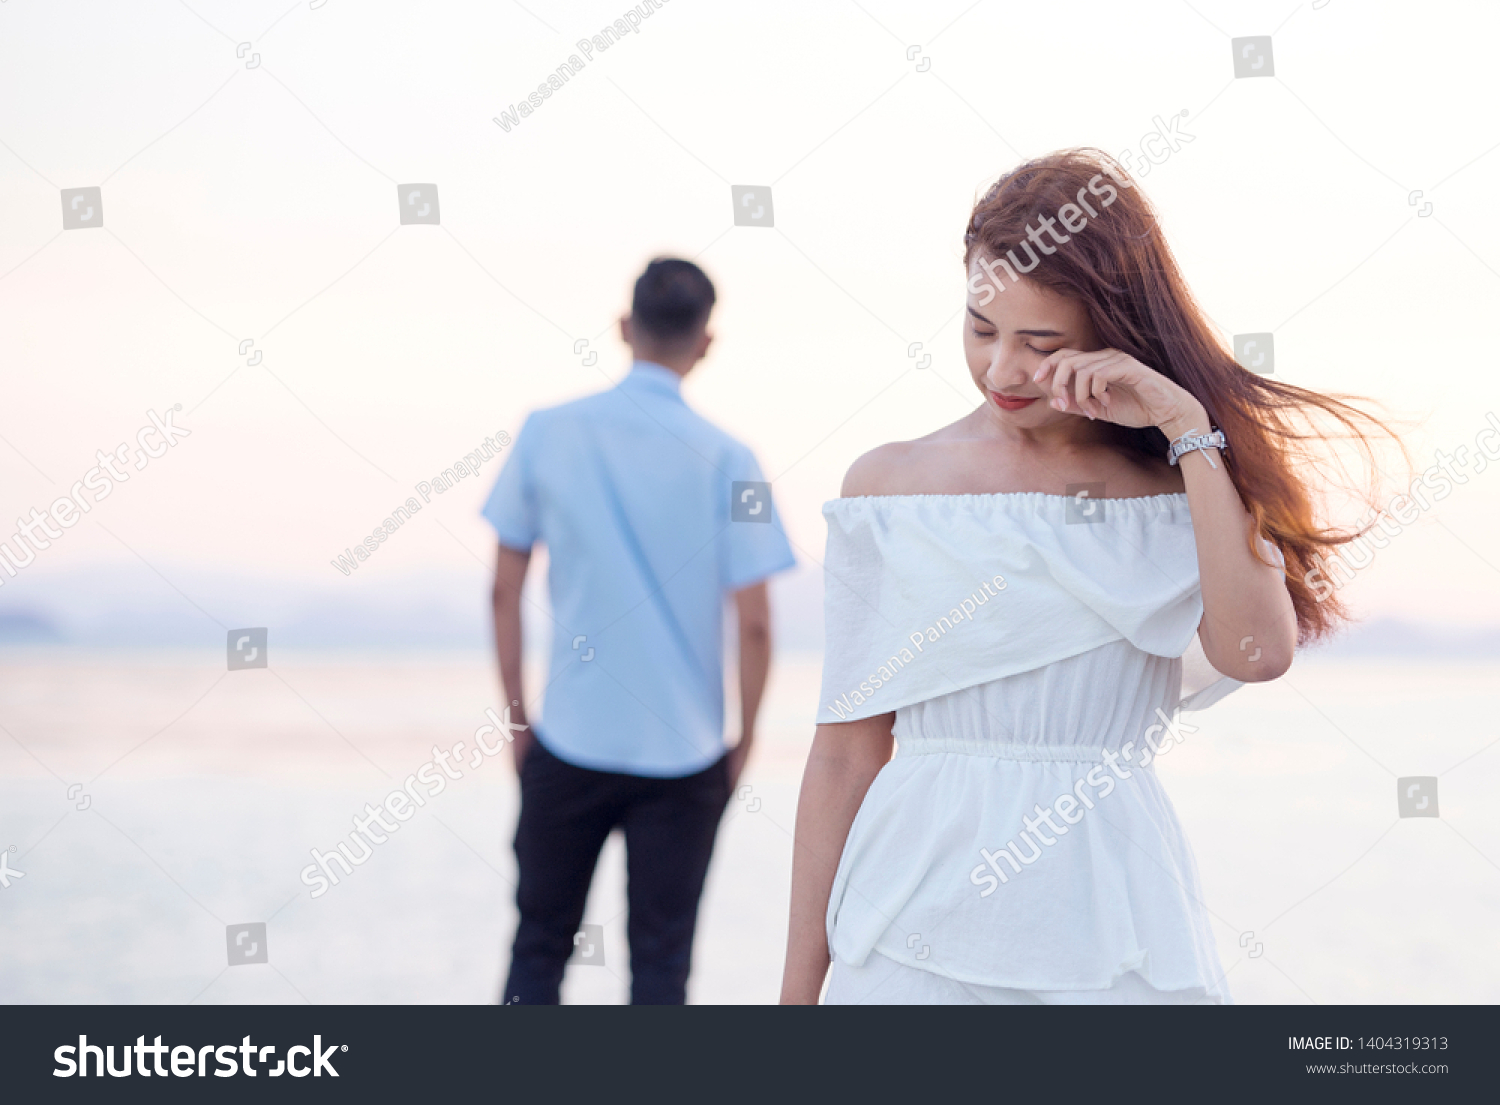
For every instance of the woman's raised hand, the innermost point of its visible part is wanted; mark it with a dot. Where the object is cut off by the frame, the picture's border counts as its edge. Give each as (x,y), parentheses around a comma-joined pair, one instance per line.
(1115,387)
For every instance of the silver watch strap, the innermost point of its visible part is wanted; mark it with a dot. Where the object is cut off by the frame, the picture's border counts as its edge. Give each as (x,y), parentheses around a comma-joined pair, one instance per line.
(1193,441)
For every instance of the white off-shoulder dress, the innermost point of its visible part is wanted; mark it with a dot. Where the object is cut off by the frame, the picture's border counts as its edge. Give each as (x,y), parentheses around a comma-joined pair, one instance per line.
(1018,847)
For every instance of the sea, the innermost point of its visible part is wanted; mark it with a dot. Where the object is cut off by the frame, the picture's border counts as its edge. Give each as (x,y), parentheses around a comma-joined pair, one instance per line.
(157,813)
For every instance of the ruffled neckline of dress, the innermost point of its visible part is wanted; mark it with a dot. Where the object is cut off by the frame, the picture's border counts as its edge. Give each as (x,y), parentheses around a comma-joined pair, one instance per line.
(929,594)
(1007,497)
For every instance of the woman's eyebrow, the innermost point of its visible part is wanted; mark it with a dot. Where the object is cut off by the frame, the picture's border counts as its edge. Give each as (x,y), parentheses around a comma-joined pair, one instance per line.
(1028,333)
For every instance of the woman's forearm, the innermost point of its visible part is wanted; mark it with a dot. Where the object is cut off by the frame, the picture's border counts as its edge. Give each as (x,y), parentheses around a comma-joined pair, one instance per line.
(1249,628)
(842,764)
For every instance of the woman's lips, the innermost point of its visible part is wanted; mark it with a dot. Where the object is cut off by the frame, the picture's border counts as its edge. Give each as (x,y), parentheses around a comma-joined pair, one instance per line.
(1012,402)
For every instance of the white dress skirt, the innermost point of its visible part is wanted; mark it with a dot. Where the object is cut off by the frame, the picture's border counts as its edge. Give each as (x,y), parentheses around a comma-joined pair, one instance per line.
(1018,848)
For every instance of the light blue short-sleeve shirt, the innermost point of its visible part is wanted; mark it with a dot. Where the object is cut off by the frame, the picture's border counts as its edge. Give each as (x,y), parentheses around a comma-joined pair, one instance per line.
(637,499)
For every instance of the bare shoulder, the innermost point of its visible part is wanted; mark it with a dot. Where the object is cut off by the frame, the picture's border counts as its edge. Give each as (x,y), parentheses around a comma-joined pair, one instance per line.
(924,465)
(877,472)
(957,460)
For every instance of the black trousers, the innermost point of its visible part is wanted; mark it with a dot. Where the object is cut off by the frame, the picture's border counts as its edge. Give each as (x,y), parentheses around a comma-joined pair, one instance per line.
(567,812)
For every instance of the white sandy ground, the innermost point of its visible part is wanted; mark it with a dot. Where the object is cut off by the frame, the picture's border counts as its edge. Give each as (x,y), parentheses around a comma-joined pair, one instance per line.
(1287,793)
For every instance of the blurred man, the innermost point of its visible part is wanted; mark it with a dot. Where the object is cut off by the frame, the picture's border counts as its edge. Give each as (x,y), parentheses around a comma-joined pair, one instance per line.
(652,517)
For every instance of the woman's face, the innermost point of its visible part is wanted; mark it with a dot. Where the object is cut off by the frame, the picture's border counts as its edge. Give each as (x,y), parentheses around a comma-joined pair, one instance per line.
(1006,339)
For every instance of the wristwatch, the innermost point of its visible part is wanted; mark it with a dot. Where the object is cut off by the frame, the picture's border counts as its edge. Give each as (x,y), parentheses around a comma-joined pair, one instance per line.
(1192,441)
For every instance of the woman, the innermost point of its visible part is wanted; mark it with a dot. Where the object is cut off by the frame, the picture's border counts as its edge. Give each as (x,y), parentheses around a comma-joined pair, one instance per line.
(1008,602)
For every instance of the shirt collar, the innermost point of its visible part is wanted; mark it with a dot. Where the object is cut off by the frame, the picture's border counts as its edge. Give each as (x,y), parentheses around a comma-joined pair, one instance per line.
(654,377)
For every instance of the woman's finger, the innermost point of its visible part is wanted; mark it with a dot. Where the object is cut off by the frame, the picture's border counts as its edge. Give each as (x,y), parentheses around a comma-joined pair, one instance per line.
(1066,385)
(1049,363)
(1100,394)
(1054,359)
(1062,372)
(1086,373)
(1083,383)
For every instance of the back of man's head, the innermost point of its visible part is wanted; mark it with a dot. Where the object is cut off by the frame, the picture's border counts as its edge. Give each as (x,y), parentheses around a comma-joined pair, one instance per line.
(673,299)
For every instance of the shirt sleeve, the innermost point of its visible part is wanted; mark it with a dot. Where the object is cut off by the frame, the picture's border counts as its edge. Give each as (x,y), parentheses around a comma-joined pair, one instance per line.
(511,507)
(753,549)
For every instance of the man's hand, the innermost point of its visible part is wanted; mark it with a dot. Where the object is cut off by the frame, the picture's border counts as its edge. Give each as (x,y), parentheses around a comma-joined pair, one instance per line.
(520,740)
(735,763)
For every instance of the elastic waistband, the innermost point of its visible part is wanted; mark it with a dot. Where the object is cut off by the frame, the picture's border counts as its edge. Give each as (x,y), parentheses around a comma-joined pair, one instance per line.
(1001,750)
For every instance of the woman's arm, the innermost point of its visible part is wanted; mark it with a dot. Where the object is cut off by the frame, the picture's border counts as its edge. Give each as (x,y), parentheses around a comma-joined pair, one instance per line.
(1249,628)
(843,762)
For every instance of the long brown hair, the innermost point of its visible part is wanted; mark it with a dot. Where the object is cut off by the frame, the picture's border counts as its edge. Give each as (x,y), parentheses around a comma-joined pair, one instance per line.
(1120,267)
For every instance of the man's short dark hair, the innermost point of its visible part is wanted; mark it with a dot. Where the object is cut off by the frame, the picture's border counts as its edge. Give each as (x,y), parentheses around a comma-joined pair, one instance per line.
(672,301)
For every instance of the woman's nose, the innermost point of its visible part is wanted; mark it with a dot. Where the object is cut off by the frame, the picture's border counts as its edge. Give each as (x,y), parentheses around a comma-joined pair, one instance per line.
(1007,371)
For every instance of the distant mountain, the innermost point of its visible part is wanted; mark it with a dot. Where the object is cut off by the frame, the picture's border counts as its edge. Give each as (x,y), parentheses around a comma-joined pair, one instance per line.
(130,605)
(1394,637)
(22,627)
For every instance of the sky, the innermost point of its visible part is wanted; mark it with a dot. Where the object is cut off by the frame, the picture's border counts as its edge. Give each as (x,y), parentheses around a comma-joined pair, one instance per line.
(252,159)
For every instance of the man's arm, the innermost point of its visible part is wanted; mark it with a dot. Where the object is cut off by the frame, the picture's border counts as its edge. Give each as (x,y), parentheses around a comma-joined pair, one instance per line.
(510,574)
(754,611)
